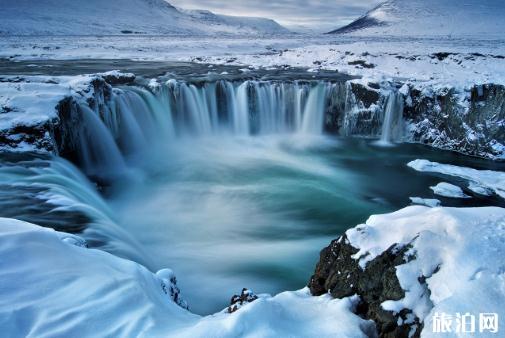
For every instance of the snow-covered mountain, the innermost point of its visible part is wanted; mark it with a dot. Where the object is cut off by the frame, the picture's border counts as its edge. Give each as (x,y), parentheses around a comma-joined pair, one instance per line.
(98,17)
(252,24)
(431,17)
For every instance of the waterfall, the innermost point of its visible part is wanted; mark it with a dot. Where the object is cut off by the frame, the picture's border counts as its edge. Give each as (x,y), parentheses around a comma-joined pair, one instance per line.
(52,192)
(313,113)
(392,125)
(99,153)
(138,118)
(241,117)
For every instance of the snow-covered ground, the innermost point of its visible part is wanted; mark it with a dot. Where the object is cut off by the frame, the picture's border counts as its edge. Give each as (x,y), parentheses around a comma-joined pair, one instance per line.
(33,100)
(432,62)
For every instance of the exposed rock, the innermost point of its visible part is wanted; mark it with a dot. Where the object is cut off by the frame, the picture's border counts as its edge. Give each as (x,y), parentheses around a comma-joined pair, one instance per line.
(367,95)
(117,78)
(361,64)
(39,136)
(237,301)
(339,274)
(471,122)
(335,109)
(364,107)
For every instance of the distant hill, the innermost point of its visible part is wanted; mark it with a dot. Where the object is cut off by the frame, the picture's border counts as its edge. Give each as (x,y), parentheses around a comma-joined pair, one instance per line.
(110,17)
(252,24)
(431,18)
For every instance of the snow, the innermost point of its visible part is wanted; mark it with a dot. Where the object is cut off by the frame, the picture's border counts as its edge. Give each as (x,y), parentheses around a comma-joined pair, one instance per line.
(32,100)
(433,18)
(413,60)
(289,314)
(459,251)
(448,190)
(481,182)
(429,202)
(52,285)
(136,17)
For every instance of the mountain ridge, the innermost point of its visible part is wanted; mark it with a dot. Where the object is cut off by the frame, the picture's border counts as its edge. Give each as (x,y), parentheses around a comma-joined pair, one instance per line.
(97,17)
(430,18)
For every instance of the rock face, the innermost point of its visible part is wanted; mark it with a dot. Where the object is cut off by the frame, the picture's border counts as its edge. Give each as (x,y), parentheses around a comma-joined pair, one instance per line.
(364,106)
(469,121)
(237,301)
(472,122)
(339,274)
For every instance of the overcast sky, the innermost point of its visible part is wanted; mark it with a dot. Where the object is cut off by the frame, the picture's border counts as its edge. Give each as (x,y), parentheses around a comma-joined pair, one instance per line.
(317,14)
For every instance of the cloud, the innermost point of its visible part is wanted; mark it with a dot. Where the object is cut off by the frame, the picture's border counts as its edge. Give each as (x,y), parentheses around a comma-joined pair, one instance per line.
(316,14)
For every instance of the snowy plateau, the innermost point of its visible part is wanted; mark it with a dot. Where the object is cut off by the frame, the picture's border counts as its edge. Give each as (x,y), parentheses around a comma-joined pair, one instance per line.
(100,99)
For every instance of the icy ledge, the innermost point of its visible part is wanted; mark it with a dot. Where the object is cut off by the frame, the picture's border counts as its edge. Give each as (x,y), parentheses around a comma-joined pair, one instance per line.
(52,285)
(408,265)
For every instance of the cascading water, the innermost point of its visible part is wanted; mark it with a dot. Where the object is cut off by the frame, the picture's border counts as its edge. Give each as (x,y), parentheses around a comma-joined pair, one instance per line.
(392,125)
(230,184)
(138,118)
(52,192)
(313,114)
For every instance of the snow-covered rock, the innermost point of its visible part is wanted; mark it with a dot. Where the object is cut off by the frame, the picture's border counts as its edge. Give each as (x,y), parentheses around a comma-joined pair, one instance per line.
(95,17)
(467,120)
(445,189)
(28,109)
(445,260)
(483,182)
(431,17)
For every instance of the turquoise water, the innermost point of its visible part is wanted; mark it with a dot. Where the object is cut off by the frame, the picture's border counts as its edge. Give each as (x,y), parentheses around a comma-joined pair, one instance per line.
(231,212)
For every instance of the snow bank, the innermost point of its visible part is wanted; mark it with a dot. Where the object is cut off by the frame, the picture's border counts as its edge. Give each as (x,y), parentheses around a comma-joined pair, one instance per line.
(479,181)
(459,252)
(52,285)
